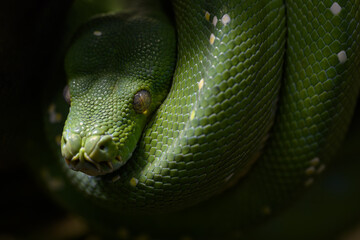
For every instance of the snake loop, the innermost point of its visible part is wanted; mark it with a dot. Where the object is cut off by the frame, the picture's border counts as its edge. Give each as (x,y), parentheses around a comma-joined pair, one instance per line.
(261,99)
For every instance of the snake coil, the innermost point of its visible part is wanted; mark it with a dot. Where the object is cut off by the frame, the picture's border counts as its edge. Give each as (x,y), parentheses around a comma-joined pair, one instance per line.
(263,91)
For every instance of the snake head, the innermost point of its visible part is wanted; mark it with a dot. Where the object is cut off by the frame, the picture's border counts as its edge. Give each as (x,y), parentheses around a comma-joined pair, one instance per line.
(104,124)
(119,71)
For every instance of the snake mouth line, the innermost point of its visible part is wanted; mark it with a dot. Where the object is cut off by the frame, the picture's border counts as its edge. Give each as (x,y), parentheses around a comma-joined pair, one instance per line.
(84,163)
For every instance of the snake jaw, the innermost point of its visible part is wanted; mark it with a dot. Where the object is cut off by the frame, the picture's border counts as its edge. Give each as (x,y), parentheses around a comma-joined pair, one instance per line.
(90,167)
(87,158)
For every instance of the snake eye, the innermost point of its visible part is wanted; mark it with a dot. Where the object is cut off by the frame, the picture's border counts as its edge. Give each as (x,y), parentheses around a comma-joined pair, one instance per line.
(142,100)
(66,94)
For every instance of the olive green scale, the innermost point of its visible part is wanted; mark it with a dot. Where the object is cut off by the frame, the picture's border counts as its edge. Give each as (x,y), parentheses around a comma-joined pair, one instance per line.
(252,78)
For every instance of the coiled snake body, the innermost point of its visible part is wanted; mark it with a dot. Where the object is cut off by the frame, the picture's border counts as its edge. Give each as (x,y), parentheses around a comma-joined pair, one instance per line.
(261,99)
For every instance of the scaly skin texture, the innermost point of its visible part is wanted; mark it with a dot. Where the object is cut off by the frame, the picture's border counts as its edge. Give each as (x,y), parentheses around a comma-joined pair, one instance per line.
(216,120)
(104,76)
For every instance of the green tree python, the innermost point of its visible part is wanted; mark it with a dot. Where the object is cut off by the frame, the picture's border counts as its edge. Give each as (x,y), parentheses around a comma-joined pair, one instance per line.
(260,98)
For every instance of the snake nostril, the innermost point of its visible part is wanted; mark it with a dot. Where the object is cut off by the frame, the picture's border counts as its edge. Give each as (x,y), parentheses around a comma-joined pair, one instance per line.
(100,148)
(71,144)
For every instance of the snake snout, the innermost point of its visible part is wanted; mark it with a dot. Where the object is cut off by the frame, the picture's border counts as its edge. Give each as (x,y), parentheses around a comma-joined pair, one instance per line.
(70,145)
(94,155)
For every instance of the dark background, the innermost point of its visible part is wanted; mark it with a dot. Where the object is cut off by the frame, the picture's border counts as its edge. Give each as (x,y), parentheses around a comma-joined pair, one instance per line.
(30,31)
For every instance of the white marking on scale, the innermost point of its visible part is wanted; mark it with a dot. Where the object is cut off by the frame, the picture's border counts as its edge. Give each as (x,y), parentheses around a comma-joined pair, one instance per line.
(134,182)
(315,161)
(335,8)
(212,39)
(192,115)
(207,15)
(97,33)
(215,20)
(201,84)
(225,19)
(342,56)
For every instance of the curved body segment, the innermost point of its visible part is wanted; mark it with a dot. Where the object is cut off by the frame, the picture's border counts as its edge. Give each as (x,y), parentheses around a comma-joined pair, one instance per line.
(260,100)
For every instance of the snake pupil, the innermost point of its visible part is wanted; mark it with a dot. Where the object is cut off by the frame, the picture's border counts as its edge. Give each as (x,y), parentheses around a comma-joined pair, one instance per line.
(142,101)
